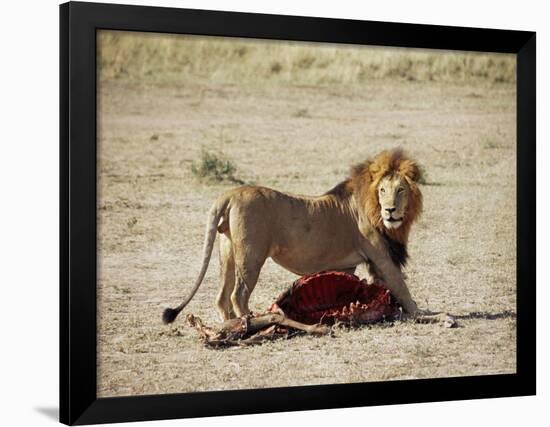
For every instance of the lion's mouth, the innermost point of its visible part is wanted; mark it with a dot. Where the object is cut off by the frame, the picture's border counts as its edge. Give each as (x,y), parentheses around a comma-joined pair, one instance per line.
(393,222)
(391,219)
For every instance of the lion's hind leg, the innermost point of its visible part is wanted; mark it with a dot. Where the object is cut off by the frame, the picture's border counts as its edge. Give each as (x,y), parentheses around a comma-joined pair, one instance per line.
(227,276)
(248,263)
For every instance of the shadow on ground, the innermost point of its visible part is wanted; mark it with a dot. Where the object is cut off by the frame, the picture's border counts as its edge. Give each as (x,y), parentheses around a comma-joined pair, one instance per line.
(506,314)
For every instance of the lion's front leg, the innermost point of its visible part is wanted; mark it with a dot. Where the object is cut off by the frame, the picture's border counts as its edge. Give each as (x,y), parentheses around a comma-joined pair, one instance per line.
(370,273)
(391,274)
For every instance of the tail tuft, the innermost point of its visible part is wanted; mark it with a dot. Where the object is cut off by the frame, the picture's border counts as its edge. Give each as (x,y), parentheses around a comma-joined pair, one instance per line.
(170,315)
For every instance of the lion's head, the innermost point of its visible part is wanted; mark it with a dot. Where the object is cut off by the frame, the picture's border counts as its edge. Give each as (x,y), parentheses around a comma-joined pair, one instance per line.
(388,193)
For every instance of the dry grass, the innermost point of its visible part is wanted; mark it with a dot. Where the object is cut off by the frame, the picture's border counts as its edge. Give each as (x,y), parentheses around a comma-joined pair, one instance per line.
(298,138)
(177,58)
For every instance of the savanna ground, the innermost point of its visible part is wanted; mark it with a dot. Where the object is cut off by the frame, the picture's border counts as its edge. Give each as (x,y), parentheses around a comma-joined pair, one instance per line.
(295,118)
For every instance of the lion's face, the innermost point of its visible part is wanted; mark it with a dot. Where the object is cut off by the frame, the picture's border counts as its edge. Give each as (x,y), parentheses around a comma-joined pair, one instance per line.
(393,196)
(387,193)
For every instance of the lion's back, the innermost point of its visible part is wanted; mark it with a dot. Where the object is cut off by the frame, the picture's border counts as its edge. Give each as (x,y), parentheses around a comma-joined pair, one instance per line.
(262,208)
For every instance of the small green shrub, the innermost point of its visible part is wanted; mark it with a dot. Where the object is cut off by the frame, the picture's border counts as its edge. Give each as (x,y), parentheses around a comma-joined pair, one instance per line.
(491,145)
(301,113)
(215,167)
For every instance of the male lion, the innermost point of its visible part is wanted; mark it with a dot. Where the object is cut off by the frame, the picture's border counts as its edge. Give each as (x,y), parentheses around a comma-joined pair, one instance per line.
(364,219)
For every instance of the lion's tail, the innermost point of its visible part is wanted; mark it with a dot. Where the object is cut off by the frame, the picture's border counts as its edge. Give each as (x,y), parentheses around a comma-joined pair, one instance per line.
(216,212)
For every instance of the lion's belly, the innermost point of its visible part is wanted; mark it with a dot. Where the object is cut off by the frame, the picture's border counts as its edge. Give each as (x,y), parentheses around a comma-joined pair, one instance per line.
(314,263)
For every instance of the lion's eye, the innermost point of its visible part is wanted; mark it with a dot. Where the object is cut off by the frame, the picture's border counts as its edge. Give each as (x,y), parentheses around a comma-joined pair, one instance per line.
(382,191)
(400,189)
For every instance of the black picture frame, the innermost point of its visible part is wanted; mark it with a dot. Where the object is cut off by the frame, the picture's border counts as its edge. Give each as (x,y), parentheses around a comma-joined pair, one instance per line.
(78,25)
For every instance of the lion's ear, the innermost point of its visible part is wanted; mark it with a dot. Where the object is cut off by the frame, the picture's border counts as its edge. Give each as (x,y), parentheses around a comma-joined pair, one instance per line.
(411,170)
(362,170)
(374,169)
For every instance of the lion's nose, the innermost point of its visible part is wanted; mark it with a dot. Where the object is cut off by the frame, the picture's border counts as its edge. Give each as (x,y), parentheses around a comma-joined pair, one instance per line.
(390,210)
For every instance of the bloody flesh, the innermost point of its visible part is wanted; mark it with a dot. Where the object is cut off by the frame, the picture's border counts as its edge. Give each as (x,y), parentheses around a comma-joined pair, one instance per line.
(336,296)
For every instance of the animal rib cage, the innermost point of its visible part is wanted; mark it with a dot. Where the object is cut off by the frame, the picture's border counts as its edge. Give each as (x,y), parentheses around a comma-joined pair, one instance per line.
(336,296)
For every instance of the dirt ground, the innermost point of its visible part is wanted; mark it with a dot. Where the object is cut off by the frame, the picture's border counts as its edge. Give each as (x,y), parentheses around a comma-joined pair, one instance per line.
(301,139)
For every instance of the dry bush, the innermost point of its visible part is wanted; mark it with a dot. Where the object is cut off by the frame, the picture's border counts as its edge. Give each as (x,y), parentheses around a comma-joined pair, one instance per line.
(165,57)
